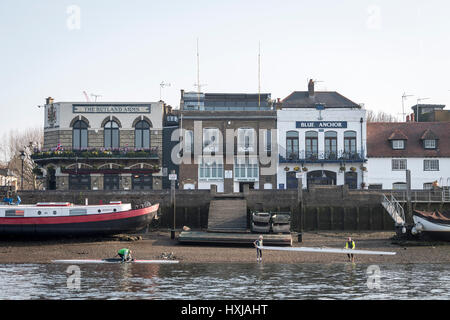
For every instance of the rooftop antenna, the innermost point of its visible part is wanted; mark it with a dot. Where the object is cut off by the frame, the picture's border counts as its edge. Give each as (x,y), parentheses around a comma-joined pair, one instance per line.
(198,85)
(161,86)
(404,96)
(95,96)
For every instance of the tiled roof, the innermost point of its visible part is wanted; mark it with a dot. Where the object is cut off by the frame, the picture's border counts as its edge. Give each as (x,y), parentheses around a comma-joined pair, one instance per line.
(397,135)
(329,99)
(378,144)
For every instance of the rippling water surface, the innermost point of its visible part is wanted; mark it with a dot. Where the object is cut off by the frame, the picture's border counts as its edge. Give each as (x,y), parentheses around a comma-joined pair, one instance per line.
(226,281)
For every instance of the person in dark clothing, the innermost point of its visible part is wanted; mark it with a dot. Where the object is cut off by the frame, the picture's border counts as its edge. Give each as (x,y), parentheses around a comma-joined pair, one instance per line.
(258,243)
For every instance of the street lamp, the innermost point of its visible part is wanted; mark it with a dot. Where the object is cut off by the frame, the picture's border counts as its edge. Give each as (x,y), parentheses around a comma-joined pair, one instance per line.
(22,157)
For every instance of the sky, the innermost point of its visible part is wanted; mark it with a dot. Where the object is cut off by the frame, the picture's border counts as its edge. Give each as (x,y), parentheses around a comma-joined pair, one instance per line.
(369,51)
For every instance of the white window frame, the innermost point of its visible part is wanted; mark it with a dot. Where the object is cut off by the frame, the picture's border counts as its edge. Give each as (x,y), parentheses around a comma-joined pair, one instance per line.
(431,165)
(429,144)
(395,186)
(211,138)
(398,144)
(188,141)
(246,139)
(397,164)
(246,169)
(428,186)
(211,169)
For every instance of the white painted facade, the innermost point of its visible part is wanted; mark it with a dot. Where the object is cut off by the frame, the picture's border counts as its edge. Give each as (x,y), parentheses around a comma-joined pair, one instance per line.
(380,172)
(355,121)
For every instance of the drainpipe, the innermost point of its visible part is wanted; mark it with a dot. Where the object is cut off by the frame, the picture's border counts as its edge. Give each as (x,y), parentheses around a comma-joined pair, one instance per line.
(362,150)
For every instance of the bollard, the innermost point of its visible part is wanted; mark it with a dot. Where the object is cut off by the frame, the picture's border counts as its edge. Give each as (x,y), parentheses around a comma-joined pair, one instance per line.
(299,237)
(172,234)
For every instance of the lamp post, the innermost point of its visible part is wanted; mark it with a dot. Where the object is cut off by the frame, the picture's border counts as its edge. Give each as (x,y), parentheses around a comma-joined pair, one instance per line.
(22,157)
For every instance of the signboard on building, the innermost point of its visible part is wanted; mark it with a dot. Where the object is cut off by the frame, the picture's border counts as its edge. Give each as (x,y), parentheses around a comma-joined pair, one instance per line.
(172,177)
(228,174)
(321,124)
(125,108)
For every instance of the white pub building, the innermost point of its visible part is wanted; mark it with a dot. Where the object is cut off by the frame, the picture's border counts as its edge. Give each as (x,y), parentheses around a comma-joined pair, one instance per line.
(322,139)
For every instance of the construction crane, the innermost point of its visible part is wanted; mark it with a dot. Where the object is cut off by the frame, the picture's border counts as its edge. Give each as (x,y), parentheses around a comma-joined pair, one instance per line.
(86,96)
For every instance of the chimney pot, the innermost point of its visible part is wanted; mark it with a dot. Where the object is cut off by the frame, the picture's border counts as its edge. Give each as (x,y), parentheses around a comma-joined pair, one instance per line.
(407,118)
(311,88)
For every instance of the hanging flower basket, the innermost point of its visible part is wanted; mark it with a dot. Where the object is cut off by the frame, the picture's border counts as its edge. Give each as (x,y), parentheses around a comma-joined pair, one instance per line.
(363,168)
(353,169)
(305,169)
(297,169)
(286,168)
(342,169)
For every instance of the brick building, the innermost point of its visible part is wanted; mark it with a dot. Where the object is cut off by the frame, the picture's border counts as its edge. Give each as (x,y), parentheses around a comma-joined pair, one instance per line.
(227,141)
(102,145)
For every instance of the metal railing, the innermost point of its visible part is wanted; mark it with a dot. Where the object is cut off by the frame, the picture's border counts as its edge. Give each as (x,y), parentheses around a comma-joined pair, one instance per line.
(325,156)
(394,208)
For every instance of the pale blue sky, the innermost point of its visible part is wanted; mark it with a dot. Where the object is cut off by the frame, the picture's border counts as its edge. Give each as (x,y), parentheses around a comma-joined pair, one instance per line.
(369,51)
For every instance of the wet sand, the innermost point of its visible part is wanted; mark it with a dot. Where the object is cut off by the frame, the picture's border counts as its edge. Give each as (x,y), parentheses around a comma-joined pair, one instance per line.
(156,243)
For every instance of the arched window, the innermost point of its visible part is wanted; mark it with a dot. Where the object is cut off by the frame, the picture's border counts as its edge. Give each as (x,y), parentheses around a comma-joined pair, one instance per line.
(311,144)
(292,145)
(350,142)
(331,144)
(142,135)
(111,134)
(80,135)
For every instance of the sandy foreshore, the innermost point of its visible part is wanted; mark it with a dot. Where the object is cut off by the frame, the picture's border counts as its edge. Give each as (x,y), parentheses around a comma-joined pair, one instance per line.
(154,244)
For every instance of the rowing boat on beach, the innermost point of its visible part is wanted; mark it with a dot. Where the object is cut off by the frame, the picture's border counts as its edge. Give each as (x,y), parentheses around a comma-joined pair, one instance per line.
(85,261)
(328,250)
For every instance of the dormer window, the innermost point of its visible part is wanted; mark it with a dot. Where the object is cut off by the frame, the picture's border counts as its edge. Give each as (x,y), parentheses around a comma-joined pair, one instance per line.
(429,144)
(398,144)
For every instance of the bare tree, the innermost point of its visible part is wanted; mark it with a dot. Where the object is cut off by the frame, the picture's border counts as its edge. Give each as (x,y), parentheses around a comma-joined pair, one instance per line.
(380,116)
(11,147)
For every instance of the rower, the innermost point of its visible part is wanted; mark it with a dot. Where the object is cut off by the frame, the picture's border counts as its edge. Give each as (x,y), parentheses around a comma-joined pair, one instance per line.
(125,255)
(350,244)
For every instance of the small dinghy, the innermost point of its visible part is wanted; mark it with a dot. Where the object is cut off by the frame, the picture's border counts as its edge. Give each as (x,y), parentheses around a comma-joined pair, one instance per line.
(435,224)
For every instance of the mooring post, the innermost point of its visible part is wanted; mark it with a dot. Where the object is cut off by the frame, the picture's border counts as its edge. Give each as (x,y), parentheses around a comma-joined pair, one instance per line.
(409,220)
(300,204)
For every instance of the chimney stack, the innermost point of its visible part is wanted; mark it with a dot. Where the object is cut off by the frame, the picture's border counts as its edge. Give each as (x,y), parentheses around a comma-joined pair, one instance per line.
(412,117)
(311,88)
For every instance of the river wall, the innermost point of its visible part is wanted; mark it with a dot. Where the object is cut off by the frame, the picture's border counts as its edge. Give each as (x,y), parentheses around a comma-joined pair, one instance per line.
(319,208)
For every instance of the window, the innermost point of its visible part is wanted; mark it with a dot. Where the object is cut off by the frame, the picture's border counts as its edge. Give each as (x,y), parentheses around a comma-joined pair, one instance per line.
(429,144)
(430,165)
(311,142)
(111,182)
(211,169)
(398,144)
(246,169)
(428,186)
(246,139)
(142,182)
(350,142)
(268,141)
(330,145)
(111,135)
(399,164)
(188,141)
(142,135)
(292,145)
(399,186)
(80,135)
(210,140)
(79,182)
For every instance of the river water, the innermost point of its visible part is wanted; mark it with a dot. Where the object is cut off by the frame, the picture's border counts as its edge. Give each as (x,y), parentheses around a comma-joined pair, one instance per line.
(225,281)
